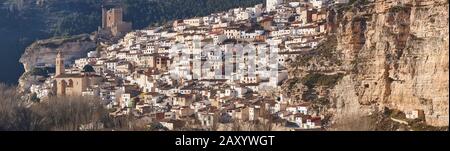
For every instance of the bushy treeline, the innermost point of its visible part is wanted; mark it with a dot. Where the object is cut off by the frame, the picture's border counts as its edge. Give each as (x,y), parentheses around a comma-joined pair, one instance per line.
(56,114)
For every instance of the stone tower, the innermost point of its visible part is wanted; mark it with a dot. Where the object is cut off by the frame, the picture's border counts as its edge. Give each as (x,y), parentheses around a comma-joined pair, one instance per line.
(114,17)
(60,69)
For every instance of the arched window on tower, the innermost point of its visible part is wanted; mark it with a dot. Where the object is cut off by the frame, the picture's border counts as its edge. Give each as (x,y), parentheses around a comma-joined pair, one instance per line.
(62,88)
(70,84)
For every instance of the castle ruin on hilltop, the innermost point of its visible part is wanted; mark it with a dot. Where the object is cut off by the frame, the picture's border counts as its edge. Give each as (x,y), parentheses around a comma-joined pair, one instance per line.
(112,20)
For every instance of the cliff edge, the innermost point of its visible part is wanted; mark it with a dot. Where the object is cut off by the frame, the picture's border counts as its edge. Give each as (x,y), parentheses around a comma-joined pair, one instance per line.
(391,55)
(43,53)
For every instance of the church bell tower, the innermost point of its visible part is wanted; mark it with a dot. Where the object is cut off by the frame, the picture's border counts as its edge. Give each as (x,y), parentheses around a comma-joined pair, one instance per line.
(60,69)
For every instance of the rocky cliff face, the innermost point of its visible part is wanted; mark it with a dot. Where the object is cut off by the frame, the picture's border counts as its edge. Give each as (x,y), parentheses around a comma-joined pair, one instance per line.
(395,55)
(43,52)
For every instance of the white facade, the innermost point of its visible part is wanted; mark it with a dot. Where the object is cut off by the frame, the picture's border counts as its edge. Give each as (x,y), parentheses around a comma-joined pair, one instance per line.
(340,1)
(318,3)
(271,4)
(194,22)
(232,33)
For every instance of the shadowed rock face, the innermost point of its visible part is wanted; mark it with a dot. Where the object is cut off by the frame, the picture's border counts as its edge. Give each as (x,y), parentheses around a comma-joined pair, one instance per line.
(395,54)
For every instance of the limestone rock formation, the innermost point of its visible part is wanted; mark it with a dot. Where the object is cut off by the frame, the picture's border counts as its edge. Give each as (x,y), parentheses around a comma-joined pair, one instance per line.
(43,52)
(395,55)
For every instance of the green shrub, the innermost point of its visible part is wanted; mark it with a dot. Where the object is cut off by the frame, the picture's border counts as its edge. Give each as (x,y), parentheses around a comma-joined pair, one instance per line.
(88,68)
(325,51)
(42,71)
(398,8)
(316,79)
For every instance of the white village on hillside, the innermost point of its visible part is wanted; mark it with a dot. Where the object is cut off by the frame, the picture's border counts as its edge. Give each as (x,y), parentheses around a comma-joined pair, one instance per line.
(145,76)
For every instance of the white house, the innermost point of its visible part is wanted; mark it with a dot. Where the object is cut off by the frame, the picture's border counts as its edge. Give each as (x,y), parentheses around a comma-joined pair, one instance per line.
(340,1)
(318,3)
(111,65)
(232,33)
(414,114)
(206,119)
(271,4)
(194,21)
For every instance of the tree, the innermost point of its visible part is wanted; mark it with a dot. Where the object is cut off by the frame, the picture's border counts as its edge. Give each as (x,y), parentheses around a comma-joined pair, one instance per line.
(215,124)
(57,113)
(14,113)
(69,113)
(34,97)
(38,72)
(88,68)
